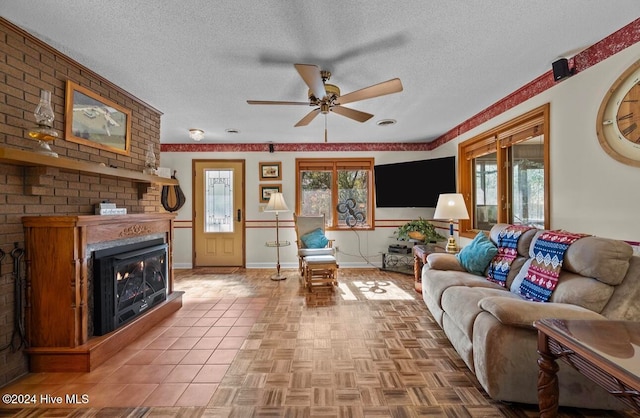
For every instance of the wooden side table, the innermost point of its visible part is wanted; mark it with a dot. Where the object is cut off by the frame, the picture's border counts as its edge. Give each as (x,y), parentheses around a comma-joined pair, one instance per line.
(420,253)
(601,350)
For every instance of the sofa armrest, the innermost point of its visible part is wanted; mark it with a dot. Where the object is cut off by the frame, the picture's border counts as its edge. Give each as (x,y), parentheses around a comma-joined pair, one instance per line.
(523,313)
(444,261)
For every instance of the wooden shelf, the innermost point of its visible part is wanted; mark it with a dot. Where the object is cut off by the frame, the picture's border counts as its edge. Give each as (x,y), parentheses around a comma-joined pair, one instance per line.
(29,158)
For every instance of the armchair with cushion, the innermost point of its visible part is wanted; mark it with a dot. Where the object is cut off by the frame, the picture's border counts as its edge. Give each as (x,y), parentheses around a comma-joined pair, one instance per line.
(310,238)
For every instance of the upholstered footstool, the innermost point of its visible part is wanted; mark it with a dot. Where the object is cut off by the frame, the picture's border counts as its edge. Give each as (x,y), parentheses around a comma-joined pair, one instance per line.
(320,270)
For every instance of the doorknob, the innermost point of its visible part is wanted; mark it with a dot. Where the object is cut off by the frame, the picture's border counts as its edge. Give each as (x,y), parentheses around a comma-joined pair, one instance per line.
(239,215)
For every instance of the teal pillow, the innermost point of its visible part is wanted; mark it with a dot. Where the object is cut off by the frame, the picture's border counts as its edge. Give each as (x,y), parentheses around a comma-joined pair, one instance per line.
(315,239)
(476,256)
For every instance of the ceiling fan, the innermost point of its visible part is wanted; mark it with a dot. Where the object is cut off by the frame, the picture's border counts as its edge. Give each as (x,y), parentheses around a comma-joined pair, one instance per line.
(327,96)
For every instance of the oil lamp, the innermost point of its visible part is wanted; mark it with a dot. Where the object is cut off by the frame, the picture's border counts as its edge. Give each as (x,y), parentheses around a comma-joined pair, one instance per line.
(44,132)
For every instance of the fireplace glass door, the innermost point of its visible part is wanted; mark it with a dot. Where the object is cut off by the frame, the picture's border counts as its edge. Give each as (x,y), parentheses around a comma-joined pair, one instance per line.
(127,284)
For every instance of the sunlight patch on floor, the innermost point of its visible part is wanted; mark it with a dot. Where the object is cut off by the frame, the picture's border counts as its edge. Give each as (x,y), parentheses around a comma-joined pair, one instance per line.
(345,292)
(375,290)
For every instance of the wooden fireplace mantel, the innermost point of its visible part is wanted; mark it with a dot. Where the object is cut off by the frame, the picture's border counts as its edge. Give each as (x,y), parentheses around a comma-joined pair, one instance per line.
(58,252)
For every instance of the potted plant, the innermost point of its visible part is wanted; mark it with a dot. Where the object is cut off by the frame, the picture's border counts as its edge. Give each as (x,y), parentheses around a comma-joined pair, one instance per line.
(419,230)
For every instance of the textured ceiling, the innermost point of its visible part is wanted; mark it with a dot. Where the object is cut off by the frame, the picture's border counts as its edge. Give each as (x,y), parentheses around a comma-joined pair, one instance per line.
(198,61)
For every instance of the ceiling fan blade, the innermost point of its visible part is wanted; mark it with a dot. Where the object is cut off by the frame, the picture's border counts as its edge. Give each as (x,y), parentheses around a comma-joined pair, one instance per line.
(308,118)
(270,102)
(311,75)
(381,89)
(352,113)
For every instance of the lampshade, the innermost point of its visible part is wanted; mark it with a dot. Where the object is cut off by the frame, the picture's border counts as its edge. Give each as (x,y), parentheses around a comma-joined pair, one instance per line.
(276,203)
(451,206)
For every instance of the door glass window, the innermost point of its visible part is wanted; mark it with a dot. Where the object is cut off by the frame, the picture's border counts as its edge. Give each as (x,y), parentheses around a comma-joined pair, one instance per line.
(527,188)
(218,201)
(486,191)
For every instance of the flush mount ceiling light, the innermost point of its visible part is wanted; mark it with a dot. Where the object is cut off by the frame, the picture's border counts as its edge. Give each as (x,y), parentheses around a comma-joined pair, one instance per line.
(385,122)
(196,134)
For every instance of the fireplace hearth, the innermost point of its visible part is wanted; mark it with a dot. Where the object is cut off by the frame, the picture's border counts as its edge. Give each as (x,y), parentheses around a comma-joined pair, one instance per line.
(127,281)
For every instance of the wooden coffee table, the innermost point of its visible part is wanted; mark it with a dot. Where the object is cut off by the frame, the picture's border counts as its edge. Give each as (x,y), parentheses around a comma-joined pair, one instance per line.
(606,352)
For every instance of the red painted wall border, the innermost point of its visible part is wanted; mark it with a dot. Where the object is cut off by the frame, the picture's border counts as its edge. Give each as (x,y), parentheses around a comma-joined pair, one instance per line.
(612,44)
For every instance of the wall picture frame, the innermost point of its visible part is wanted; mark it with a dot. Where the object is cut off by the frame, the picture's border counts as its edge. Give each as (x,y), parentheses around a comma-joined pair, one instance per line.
(270,170)
(267,189)
(95,121)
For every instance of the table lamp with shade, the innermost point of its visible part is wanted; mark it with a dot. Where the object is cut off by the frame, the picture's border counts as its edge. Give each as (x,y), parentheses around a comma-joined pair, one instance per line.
(451,206)
(277,204)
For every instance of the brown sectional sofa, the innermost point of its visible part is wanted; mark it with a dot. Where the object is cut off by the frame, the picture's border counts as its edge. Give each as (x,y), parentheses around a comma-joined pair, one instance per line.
(491,327)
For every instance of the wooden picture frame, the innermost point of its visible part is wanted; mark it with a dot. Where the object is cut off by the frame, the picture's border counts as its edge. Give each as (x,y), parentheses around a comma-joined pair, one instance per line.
(267,189)
(95,121)
(270,170)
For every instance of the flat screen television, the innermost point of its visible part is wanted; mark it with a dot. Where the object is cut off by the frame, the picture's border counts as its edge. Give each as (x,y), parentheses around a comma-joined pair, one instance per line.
(414,184)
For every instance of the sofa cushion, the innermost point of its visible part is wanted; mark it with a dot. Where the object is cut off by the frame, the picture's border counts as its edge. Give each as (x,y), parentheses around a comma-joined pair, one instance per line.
(461,304)
(573,289)
(444,261)
(436,282)
(522,313)
(623,304)
(476,256)
(604,259)
(303,252)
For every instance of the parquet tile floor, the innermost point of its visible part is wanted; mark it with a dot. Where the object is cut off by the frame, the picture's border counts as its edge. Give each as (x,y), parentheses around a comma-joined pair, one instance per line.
(246,346)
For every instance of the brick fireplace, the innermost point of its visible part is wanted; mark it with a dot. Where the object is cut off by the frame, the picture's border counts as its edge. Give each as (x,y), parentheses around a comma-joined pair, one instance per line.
(32,189)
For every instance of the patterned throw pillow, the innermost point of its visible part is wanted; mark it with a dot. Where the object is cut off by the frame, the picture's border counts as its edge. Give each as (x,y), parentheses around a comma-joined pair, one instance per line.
(315,239)
(476,256)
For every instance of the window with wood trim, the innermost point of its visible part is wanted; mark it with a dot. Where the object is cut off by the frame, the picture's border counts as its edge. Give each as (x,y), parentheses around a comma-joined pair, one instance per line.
(322,184)
(504,174)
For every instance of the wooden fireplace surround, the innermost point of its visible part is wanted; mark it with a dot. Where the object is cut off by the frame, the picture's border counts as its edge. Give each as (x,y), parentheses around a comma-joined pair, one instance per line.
(57,260)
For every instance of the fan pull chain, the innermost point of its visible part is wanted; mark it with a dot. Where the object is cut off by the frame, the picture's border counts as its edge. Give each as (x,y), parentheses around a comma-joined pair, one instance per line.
(325,128)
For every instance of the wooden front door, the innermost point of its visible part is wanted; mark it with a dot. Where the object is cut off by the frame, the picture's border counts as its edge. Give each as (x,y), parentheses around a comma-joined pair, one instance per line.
(218,213)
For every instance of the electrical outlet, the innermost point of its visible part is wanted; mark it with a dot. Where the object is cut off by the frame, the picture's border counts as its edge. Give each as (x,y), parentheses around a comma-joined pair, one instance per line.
(261,208)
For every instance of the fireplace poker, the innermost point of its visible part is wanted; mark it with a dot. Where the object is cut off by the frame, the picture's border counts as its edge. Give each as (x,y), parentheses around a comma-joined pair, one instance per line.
(18,325)
(2,255)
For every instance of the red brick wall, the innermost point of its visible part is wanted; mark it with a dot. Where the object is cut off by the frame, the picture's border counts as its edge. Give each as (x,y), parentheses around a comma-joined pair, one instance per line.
(28,65)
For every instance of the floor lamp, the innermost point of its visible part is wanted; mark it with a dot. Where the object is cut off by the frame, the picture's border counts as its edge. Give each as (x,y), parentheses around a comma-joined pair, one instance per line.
(451,206)
(277,204)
